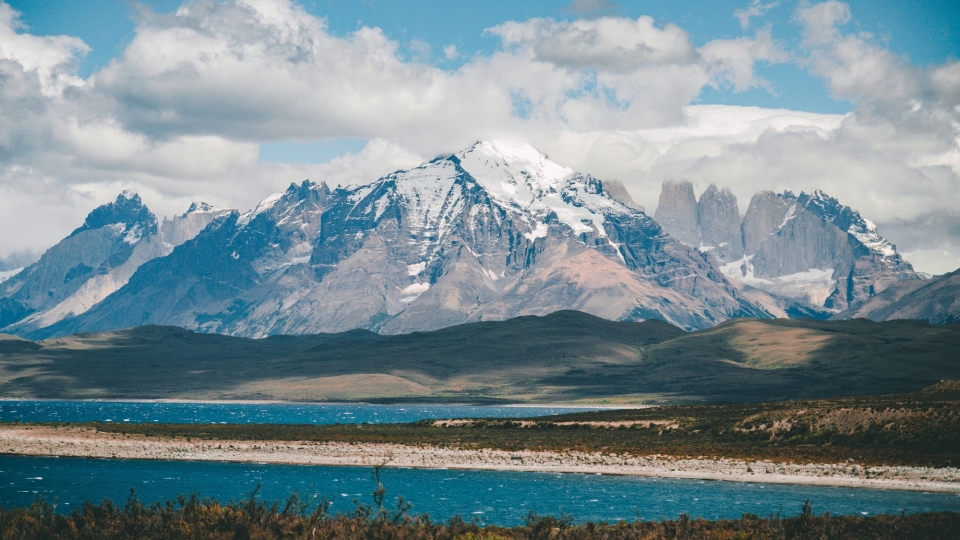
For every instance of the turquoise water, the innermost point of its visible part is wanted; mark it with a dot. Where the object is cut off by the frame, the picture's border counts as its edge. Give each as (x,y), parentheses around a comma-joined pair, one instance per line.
(254,413)
(491,497)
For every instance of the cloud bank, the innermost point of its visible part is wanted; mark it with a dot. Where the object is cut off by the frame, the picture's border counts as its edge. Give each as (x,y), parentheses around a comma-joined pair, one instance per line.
(181,112)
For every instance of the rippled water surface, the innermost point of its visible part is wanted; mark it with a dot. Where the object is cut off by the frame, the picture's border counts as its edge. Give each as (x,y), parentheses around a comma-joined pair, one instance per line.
(253,413)
(492,497)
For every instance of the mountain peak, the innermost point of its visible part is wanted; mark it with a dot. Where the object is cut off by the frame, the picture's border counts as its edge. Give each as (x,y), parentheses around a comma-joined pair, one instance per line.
(201,207)
(520,177)
(127,210)
(542,172)
(848,220)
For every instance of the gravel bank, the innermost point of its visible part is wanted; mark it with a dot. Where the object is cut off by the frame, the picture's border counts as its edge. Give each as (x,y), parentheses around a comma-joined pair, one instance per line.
(85,442)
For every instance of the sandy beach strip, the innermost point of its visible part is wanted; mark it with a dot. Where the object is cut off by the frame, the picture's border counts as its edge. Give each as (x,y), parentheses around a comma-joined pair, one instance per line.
(86,442)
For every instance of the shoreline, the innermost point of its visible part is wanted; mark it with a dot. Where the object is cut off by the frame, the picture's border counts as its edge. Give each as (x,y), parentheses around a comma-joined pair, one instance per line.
(87,443)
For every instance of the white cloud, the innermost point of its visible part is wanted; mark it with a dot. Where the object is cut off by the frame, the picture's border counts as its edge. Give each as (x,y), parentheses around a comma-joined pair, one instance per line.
(610,43)
(180,114)
(734,59)
(49,58)
(450,52)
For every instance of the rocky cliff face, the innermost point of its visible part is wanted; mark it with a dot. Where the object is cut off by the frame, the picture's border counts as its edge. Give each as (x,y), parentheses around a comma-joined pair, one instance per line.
(677,212)
(96,259)
(820,249)
(809,248)
(718,218)
(489,233)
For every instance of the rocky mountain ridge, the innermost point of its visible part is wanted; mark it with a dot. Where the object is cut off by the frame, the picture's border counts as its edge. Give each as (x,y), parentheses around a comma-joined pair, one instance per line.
(95,260)
(807,247)
(492,232)
(489,233)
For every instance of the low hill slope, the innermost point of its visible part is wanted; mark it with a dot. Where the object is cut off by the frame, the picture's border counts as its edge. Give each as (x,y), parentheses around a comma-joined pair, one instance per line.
(565,356)
(936,301)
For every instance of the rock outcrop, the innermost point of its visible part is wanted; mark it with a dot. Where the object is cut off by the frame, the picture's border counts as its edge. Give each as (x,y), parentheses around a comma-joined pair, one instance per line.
(677,212)
(718,218)
(821,250)
(808,248)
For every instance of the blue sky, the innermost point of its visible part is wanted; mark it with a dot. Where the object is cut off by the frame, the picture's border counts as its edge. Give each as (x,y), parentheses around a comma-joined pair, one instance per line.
(231,100)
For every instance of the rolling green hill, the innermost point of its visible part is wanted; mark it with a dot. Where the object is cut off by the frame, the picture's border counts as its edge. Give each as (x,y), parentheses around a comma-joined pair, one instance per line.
(565,356)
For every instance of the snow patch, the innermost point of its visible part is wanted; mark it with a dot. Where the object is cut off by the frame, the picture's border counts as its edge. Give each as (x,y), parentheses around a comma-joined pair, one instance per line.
(415,269)
(540,231)
(262,207)
(128,194)
(813,286)
(412,292)
(792,213)
(869,237)
(133,235)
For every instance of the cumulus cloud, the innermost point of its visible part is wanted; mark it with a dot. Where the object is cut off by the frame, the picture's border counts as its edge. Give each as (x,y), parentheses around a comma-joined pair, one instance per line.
(896,157)
(610,43)
(735,59)
(180,114)
(50,59)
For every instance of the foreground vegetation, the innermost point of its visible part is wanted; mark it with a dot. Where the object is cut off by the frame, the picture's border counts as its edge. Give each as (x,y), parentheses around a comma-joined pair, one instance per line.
(918,429)
(193,517)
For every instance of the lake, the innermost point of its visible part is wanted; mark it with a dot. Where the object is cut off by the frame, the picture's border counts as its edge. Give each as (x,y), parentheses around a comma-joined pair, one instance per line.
(255,413)
(491,497)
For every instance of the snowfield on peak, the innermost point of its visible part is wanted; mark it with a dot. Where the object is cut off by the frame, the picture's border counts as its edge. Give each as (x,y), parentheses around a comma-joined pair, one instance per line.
(520,176)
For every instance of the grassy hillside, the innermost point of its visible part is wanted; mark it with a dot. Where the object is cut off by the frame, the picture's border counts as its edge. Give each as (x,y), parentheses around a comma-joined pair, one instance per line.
(566,356)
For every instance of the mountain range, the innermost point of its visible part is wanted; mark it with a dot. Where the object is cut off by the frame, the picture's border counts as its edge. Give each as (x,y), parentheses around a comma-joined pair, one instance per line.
(493,232)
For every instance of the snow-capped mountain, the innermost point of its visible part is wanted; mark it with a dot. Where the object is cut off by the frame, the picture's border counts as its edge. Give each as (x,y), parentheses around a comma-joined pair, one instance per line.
(492,232)
(93,262)
(810,248)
